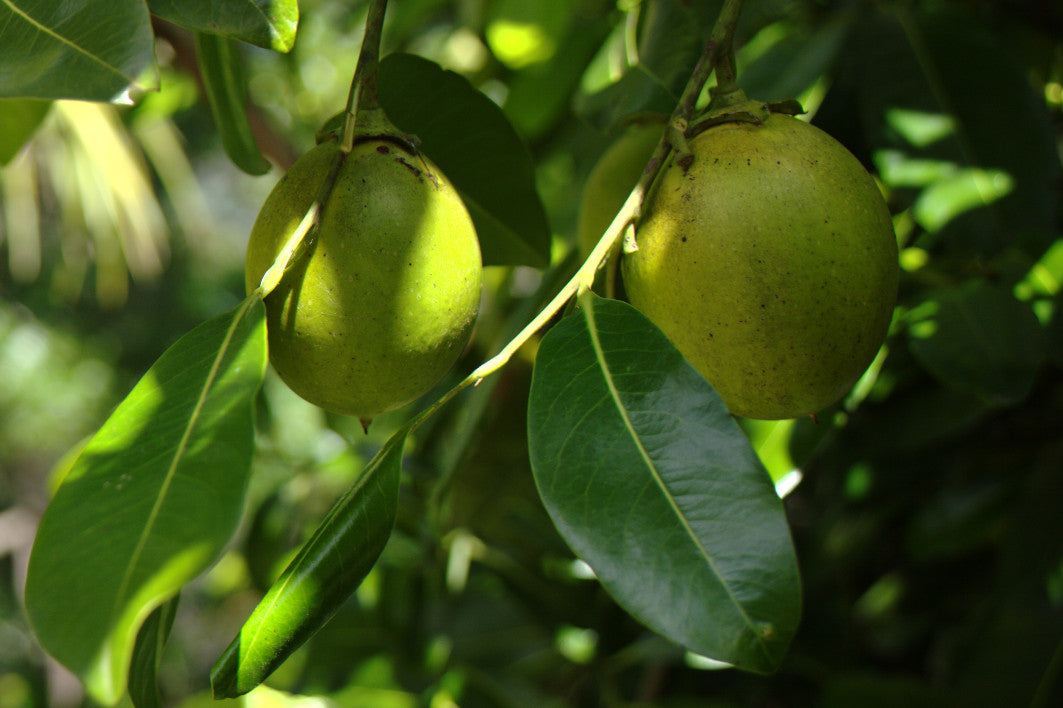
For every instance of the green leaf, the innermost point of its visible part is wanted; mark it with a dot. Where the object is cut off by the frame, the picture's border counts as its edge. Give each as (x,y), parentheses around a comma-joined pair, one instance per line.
(151,500)
(791,66)
(94,50)
(327,569)
(980,340)
(1054,331)
(470,139)
(925,82)
(672,35)
(522,34)
(635,92)
(222,68)
(19,119)
(266,23)
(144,666)
(653,484)
(540,95)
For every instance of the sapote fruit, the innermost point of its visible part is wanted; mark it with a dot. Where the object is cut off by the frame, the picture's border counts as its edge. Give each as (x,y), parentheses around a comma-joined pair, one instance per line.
(770,261)
(384,299)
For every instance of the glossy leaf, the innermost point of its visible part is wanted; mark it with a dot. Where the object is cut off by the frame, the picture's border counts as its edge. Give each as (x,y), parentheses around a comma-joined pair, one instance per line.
(222,68)
(267,23)
(652,483)
(150,502)
(144,667)
(980,340)
(19,119)
(95,50)
(468,136)
(322,576)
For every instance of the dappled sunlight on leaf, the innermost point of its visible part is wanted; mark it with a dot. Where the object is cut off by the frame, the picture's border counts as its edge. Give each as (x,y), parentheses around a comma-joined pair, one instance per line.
(920,128)
(960,192)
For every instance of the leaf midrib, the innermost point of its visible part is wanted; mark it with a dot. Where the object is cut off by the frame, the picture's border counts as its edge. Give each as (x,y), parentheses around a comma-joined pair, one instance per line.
(614,393)
(63,40)
(182,446)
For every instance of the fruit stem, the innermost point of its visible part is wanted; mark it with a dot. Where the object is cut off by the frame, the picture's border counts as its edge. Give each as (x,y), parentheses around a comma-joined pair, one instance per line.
(720,41)
(363,96)
(719,47)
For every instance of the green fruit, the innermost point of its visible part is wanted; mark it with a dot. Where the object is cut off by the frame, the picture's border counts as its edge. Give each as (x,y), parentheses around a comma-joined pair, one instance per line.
(611,181)
(385,301)
(770,263)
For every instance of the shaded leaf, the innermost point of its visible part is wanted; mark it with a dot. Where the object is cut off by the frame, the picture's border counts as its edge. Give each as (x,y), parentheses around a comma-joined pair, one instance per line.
(94,50)
(980,340)
(19,119)
(922,80)
(144,667)
(794,64)
(635,92)
(1054,331)
(470,139)
(653,484)
(222,68)
(321,577)
(151,500)
(882,691)
(672,35)
(266,23)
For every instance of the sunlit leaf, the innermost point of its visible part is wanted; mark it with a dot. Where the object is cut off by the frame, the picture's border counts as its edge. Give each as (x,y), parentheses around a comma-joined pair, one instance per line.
(522,33)
(95,50)
(321,577)
(267,23)
(151,500)
(653,484)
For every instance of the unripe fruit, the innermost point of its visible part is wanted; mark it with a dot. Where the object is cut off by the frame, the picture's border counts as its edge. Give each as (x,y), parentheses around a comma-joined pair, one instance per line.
(612,179)
(385,301)
(771,264)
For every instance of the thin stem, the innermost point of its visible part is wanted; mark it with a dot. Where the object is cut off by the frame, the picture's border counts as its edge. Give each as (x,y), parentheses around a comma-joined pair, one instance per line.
(721,43)
(722,36)
(362,95)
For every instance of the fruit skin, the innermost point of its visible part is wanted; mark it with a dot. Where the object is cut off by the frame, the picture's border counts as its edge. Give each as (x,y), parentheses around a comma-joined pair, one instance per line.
(385,302)
(611,180)
(771,264)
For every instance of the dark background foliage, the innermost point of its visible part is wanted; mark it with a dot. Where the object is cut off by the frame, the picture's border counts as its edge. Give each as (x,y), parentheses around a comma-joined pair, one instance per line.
(927,516)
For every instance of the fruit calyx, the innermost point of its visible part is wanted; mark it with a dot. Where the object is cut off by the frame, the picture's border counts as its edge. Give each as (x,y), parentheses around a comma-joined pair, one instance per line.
(734,107)
(370,124)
